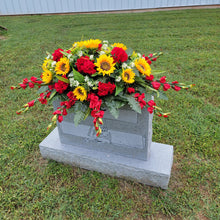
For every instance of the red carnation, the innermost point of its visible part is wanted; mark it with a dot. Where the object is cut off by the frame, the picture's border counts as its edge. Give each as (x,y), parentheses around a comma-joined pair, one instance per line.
(31,103)
(85,65)
(60,118)
(95,103)
(150,78)
(150,109)
(105,88)
(147,59)
(61,86)
(25,81)
(64,112)
(23,86)
(176,88)
(166,86)
(130,90)
(156,85)
(31,85)
(151,103)
(57,54)
(33,79)
(119,55)
(163,79)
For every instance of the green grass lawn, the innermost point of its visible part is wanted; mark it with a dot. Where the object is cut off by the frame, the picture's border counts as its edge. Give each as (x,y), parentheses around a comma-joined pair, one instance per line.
(34,188)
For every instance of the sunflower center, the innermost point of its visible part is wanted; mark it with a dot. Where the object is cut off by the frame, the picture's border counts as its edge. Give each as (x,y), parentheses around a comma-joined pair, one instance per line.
(142,67)
(63,67)
(80,92)
(127,75)
(105,66)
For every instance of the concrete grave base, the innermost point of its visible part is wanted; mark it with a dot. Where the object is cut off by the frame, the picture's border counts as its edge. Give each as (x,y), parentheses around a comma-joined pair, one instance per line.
(155,171)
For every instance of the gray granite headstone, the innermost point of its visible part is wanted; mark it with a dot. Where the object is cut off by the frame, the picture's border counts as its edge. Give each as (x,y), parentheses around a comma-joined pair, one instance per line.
(124,149)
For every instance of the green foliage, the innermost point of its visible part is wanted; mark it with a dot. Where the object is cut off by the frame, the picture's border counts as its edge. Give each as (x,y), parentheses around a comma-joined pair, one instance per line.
(34,188)
(62,79)
(133,103)
(114,106)
(77,76)
(81,111)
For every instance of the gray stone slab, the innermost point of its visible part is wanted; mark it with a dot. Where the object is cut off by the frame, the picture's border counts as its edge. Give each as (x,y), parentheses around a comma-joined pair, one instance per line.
(155,171)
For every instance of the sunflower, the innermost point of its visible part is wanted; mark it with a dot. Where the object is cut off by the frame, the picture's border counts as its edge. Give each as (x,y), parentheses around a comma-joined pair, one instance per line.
(120,46)
(62,67)
(79,44)
(92,44)
(105,65)
(80,93)
(47,76)
(143,67)
(128,76)
(46,65)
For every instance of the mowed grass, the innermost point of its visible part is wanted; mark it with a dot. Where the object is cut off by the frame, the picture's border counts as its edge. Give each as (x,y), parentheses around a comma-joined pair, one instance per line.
(34,188)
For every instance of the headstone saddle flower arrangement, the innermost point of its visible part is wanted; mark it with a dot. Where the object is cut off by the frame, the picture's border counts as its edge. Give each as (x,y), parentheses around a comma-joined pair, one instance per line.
(95,75)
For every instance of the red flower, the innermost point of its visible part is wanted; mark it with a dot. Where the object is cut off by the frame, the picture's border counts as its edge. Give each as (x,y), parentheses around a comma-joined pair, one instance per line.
(163,79)
(151,103)
(31,85)
(119,55)
(51,87)
(130,90)
(175,82)
(156,85)
(140,99)
(176,88)
(150,55)
(43,101)
(31,103)
(154,59)
(100,47)
(64,112)
(147,59)
(105,88)
(85,65)
(166,86)
(97,114)
(150,78)
(60,118)
(25,81)
(23,86)
(95,103)
(57,54)
(61,86)
(33,79)
(150,109)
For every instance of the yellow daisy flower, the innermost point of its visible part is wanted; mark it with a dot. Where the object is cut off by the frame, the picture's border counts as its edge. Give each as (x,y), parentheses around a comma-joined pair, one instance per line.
(128,76)
(142,66)
(80,93)
(47,76)
(92,44)
(62,66)
(120,45)
(105,65)
(46,64)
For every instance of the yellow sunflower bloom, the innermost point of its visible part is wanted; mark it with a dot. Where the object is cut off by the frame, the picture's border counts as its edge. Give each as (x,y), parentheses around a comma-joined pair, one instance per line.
(62,67)
(80,93)
(46,65)
(47,76)
(105,65)
(92,44)
(128,76)
(143,67)
(79,44)
(120,46)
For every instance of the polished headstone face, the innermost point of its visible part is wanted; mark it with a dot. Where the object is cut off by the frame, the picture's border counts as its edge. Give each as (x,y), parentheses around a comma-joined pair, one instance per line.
(125,148)
(130,135)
